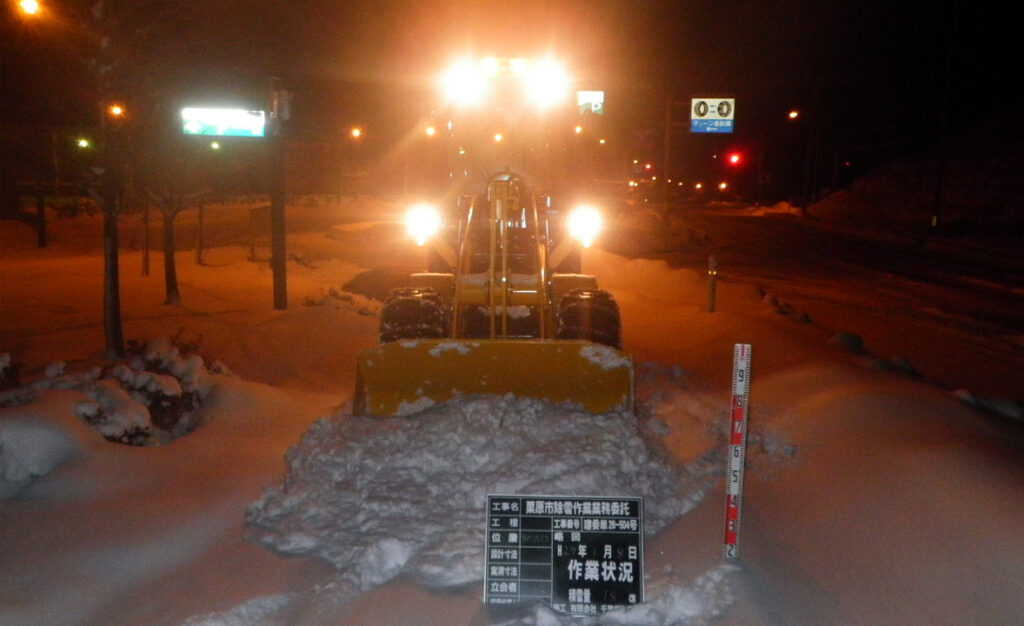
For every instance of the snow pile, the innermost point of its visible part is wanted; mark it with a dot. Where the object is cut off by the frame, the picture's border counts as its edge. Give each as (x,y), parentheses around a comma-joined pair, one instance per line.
(379,497)
(255,611)
(1004,407)
(671,600)
(31,448)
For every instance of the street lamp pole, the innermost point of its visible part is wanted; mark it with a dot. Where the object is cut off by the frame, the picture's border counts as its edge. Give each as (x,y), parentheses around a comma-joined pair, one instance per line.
(109,184)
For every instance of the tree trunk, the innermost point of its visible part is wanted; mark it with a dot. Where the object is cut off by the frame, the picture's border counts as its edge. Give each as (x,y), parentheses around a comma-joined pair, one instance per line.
(170,273)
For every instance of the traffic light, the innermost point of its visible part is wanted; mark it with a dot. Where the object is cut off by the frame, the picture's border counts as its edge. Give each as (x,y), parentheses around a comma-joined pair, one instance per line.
(734,159)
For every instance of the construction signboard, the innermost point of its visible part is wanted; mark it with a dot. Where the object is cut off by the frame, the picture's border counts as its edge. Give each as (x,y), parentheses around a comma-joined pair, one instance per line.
(580,555)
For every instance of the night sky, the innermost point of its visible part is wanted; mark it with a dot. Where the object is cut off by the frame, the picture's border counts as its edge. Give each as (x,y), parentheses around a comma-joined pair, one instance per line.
(874,68)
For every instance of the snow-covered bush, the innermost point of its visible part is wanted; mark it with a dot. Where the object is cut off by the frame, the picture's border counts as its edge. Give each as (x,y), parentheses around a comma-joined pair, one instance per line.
(149,399)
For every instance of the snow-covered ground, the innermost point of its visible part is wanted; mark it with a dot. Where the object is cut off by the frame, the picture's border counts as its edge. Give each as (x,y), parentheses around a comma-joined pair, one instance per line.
(871,496)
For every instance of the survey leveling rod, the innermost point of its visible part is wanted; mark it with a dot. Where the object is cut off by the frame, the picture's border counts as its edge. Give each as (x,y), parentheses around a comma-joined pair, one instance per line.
(737,448)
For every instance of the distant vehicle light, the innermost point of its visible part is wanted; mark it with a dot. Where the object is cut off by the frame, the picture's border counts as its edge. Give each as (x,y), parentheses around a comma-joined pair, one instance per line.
(584,224)
(722,186)
(422,222)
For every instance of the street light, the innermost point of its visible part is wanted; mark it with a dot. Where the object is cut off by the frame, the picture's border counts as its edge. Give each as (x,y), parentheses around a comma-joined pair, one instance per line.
(116,111)
(356,132)
(29,7)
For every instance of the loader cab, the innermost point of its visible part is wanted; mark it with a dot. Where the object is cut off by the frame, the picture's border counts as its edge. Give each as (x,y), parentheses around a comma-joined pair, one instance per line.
(502,230)
(500,278)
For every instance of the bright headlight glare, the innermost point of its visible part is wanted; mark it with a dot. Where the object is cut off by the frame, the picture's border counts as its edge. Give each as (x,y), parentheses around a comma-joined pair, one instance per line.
(464,84)
(585,224)
(546,84)
(422,222)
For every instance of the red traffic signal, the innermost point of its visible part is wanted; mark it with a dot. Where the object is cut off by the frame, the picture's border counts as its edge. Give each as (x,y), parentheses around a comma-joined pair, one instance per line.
(734,159)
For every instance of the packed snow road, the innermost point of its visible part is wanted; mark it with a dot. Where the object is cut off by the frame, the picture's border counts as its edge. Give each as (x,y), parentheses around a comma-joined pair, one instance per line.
(904,295)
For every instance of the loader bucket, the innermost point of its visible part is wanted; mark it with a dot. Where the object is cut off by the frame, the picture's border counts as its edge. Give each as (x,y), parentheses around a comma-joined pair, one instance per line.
(403,377)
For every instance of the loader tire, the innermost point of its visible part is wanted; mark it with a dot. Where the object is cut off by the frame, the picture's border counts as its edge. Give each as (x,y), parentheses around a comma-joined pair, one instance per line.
(590,314)
(412,313)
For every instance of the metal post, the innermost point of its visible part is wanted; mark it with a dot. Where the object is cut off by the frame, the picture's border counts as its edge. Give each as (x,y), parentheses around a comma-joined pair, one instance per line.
(41,216)
(668,150)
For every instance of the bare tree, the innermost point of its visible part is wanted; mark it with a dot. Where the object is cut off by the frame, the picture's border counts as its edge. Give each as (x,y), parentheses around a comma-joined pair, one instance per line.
(171,196)
(141,54)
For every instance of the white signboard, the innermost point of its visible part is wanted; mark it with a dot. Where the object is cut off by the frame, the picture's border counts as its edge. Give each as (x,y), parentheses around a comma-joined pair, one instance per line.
(712,115)
(590,102)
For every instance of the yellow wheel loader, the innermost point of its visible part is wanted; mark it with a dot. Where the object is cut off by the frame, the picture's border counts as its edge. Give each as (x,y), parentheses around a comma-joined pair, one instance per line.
(504,311)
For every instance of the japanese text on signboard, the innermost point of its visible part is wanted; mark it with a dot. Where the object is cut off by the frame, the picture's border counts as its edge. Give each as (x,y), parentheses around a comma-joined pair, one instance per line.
(580,555)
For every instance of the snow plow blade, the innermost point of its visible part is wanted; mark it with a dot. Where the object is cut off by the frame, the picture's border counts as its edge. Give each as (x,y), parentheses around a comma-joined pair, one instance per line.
(407,376)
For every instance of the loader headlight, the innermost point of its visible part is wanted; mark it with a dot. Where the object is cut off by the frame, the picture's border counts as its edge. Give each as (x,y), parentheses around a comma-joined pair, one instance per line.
(584,224)
(422,222)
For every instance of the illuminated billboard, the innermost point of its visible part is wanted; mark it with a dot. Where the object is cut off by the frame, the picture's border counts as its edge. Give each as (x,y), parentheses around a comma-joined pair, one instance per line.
(223,122)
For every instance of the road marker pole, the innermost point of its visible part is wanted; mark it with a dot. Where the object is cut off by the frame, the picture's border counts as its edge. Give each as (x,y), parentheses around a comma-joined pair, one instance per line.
(712,279)
(737,448)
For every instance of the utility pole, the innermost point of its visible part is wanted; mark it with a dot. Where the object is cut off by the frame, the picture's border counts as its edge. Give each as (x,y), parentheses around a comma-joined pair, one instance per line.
(671,125)
(278,256)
